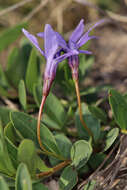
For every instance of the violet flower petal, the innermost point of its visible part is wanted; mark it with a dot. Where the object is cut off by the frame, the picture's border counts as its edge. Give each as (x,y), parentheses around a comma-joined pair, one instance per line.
(50,42)
(84,39)
(86,36)
(85,52)
(40,34)
(77,32)
(66,55)
(34,40)
(61,41)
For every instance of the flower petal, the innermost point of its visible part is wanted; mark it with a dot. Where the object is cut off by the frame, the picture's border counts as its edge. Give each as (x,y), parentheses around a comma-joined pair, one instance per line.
(61,41)
(86,36)
(85,52)
(66,55)
(40,34)
(34,41)
(50,41)
(75,36)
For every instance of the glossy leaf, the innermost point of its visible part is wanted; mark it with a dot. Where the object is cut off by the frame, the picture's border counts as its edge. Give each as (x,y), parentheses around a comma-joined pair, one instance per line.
(22,94)
(23,180)
(80,153)
(32,71)
(119,108)
(10,35)
(26,154)
(3,184)
(110,138)
(26,125)
(68,178)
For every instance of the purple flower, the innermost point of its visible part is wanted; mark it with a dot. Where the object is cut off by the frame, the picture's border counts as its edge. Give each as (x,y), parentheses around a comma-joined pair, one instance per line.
(77,39)
(51,54)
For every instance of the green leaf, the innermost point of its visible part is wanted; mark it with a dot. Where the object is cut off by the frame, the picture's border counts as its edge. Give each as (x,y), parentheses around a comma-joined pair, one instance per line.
(10,137)
(119,108)
(23,180)
(4,115)
(110,138)
(26,154)
(39,186)
(85,65)
(3,80)
(64,145)
(32,71)
(27,125)
(98,113)
(90,185)
(12,57)
(10,35)
(96,159)
(12,151)
(9,132)
(22,94)
(6,165)
(37,93)
(41,165)
(18,63)
(68,178)
(3,184)
(50,122)
(4,92)
(56,112)
(80,153)
(92,123)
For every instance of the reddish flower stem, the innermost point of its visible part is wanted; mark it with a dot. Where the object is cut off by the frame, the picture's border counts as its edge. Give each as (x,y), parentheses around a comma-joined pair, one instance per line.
(80,109)
(38,131)
(39,123)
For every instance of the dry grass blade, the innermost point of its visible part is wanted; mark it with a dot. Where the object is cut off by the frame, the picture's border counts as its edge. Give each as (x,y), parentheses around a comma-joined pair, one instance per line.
(13,7)
(36,10)
(117,17)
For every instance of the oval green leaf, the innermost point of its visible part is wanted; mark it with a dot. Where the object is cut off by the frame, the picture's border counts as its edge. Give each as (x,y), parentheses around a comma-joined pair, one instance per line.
(119,108)
(110,138)
(23,180)
(80,153)
(68,178)
(3,184)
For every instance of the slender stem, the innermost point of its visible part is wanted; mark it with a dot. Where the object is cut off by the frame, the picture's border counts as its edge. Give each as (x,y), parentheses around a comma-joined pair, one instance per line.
(38,131)
(80,109)
(39,122)
(54,169)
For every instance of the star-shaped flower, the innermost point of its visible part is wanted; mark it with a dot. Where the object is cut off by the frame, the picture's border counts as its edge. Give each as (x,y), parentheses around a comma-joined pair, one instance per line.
(51,54)
(77,39)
